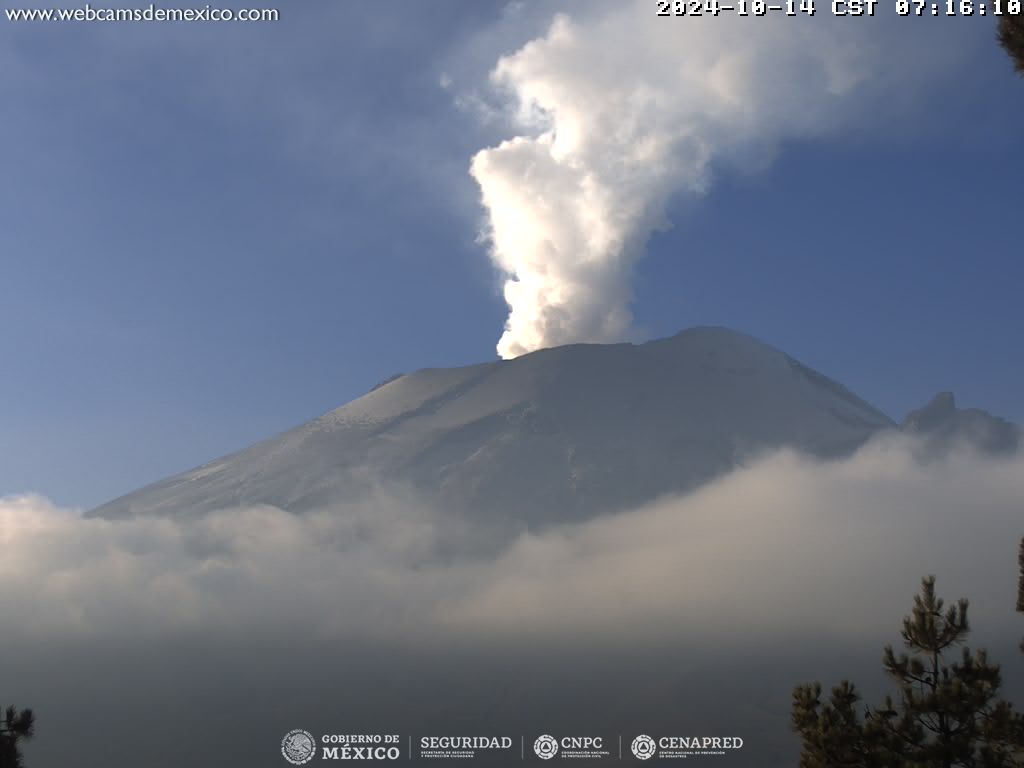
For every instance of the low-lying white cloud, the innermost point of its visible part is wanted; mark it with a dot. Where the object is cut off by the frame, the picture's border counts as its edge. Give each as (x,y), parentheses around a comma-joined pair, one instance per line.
(767,547)
(782,548)
(257,567)
(386,616)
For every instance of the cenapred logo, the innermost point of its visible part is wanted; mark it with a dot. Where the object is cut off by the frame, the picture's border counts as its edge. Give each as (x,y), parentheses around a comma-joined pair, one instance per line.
(546,747)
(298,746)
(644,747)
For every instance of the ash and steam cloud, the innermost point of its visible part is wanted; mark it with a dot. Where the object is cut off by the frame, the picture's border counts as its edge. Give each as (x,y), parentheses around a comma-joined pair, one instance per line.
(619,109)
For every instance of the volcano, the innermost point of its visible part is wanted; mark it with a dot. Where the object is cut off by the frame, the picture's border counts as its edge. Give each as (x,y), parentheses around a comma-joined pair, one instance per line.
(557,435)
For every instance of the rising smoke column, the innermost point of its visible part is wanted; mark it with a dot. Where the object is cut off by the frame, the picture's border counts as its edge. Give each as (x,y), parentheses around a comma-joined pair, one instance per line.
(618,112)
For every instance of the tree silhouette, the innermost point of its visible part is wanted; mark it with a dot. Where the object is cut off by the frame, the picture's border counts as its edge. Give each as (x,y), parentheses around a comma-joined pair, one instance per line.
(1020,585)
(16,726)
(1010,35)
(944,715)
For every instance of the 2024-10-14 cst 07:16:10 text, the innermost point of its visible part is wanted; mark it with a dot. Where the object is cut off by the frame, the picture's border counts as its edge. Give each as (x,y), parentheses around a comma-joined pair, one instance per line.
(837,7)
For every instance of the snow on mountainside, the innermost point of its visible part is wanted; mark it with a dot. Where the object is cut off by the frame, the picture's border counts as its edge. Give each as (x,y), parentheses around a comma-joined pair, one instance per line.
(556,435)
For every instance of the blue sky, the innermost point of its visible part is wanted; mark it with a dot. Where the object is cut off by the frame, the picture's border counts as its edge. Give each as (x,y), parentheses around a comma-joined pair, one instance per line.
(212,233)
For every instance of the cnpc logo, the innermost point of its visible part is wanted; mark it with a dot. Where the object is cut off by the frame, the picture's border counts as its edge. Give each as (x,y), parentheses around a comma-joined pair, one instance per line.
(547,746)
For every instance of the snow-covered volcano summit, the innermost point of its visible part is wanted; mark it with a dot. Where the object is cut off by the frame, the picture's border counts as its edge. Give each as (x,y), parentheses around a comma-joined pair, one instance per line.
(555,435)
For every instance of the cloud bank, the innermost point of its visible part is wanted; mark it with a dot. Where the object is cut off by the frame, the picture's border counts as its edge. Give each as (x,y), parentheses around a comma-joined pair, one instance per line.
(617,109)
(726,551)
(704,609)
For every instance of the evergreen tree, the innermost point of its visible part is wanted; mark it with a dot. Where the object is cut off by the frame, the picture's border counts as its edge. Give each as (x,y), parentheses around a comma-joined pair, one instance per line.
(945,714)
(16,726)
(1020,585)
(833,734)
(1010,35)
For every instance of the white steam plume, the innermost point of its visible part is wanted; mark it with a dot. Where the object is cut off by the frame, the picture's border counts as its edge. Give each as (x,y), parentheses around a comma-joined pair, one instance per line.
(621,109)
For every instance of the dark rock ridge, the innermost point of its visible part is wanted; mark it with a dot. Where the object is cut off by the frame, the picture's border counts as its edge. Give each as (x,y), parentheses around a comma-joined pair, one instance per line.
(942,426)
